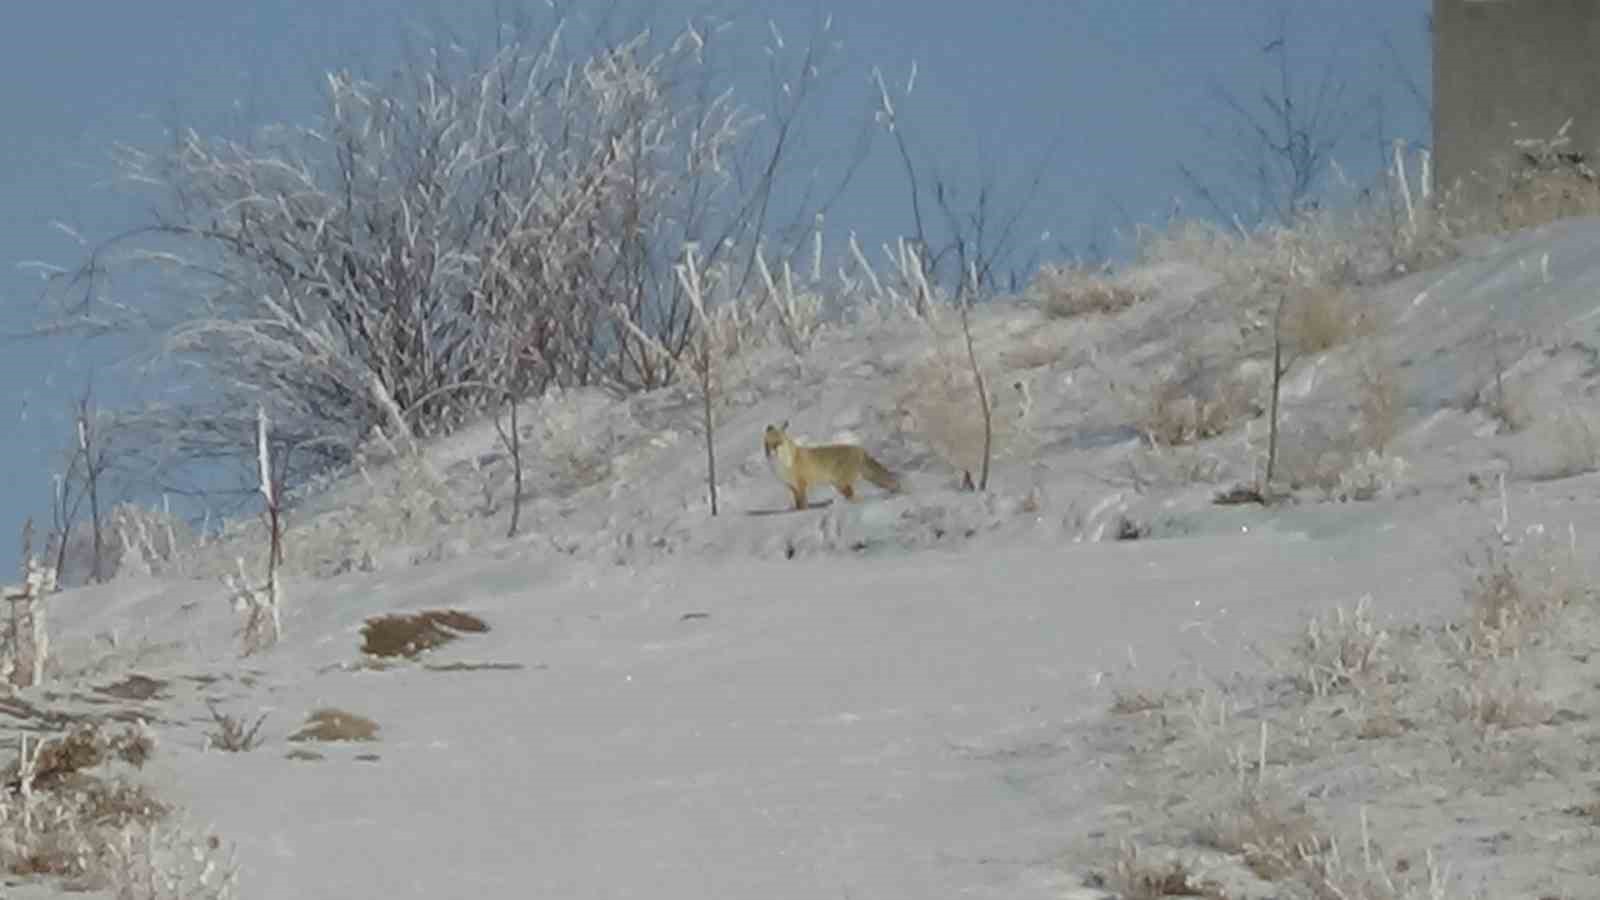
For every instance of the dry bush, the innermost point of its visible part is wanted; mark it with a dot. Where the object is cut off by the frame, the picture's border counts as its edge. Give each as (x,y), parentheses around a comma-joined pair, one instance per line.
(1191,402)
(328,724)
(1342,651)
(1067,291)
(939,403)
(1320,317)
(1379,403)
(1314,456)
(409,635)
(231,735)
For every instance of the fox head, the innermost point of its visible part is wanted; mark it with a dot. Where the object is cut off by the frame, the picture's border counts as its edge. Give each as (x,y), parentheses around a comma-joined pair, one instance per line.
(776,435)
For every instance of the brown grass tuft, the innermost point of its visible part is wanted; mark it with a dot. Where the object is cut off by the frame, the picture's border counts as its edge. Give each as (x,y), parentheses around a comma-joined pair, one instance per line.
(1379,403)
(1064,292)
(1344,651)
(1191,403)
(329,724)
(1134,879)
(1320,317)
(1516,593)
(409,635)
(938,402)
(1274,837)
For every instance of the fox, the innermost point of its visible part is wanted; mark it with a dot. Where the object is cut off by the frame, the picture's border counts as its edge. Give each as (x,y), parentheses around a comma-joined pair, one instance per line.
(840,465)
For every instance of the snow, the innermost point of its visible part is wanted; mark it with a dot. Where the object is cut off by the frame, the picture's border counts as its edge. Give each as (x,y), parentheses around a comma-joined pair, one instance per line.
(900,710)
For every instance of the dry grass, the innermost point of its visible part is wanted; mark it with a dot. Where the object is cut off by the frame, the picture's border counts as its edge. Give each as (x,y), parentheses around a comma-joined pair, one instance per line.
(1499,703)
(1540,196)
(938,402)
(1379,402)
(1271,835)
(1320,317)
(1038,349)
(1192,402)
(86,746)
(1576,440)
(62,820)
(1069,291)
(1343,651)
(328,724)
(231,735)
(1132,878)
(1516,594)
(409,635)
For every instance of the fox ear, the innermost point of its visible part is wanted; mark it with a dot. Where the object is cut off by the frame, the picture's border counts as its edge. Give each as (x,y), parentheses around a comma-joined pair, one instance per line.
(785,425)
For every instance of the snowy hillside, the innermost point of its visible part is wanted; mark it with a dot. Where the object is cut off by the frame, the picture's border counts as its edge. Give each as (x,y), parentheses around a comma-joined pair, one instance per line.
(933,694)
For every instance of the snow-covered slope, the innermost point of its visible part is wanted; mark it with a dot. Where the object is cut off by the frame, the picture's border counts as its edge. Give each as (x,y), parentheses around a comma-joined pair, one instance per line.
(884,699)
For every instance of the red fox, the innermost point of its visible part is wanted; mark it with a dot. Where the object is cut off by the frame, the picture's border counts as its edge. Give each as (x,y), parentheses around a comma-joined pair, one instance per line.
(840,465)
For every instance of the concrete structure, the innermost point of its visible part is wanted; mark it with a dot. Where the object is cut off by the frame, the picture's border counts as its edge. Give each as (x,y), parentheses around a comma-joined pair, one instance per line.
(1509,69)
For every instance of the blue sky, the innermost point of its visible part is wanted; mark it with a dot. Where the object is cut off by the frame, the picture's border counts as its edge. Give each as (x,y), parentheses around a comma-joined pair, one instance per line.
(1118,92)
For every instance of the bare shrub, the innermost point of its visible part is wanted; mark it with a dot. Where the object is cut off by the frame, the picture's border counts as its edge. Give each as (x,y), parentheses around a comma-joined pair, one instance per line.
(329,724)
(506,222)
(1069,291)
(231,735)
(410,635)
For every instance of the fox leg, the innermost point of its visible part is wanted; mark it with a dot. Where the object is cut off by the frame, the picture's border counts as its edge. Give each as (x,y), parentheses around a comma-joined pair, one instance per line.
(799,492)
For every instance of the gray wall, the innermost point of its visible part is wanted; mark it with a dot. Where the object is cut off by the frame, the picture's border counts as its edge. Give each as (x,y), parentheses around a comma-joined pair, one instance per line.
(1508,69)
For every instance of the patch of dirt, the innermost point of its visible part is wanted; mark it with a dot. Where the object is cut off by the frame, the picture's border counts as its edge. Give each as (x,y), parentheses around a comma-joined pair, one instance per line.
(300,753)
(134,687)
(329,724)
(409,635)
